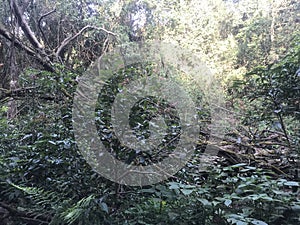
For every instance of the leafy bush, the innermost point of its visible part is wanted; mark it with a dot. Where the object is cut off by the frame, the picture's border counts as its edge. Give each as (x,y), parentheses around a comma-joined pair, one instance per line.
(270,95)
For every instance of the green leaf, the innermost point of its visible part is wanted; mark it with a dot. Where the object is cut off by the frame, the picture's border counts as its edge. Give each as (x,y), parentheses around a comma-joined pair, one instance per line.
(149,190)
(296,208)
(52,142)
(228,202)
(204,201)
(292,184)
(104,207)
(241,223)
(173,185)
(186,191)
(239,165)
(172,215)
(258,222)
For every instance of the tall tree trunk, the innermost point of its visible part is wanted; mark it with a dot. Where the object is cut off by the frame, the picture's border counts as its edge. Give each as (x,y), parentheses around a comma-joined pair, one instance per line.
(13,70)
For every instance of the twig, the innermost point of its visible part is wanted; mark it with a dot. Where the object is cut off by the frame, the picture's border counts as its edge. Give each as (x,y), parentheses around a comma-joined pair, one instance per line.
(272,143)
(39,24)
(250,157)
(284,130)
(67,40)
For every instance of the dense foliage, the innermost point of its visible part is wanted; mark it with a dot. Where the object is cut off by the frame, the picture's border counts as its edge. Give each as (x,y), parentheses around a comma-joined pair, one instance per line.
(252,48)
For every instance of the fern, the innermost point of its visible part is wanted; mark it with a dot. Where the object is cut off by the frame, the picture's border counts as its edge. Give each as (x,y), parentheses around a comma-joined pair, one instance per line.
(53,202)
(88,210)
(78,210)
(40,196)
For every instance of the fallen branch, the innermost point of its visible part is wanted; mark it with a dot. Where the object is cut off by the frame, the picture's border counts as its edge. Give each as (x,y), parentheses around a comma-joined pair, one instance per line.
(20,93)
(252,158)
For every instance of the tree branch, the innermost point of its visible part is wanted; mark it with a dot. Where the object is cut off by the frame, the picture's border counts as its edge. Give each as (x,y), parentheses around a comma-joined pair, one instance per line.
(67,40)
(39,24)
(25,27)
(7,35)
(20,93)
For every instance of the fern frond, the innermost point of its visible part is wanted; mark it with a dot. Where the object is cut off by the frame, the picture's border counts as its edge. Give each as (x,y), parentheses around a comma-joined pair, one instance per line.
(40,196)
(78,210)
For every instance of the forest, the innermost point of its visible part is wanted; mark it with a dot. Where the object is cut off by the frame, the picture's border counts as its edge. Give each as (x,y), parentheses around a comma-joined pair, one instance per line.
(149,112)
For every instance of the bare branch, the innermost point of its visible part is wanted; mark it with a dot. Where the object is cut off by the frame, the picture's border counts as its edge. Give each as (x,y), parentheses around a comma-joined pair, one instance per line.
(20,45)
(25,27)
(6,34)
(67,40)
(21,93)
(40,25)
(46,14)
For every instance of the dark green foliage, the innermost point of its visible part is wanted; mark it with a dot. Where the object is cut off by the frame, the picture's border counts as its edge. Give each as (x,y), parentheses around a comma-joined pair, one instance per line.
(272,95)
(45,180)
(143,111)
(42,171)
(254,43)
